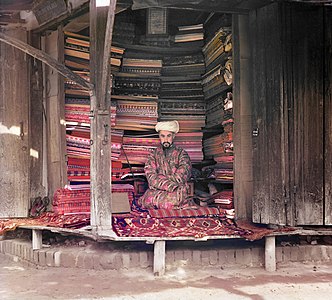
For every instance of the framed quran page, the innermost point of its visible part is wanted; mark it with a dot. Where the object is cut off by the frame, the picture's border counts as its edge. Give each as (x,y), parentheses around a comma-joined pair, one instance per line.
(157,21)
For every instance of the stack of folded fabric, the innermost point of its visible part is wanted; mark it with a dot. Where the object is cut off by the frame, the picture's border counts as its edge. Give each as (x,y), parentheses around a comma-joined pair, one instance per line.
(72,201)
(136,148)
(76,200)
(118,171)
(78,151)
(135,91)
(136,115)
(77,107)
(116,143)
(218,77)
(223,199)
(217,85)
(192,143)
(189,35)
(182,99)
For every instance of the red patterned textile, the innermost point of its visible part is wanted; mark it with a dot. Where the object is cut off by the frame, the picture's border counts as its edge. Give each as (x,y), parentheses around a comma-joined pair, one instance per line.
(188,212)
(46,219)
(66,201)
(76,200)
(174,227)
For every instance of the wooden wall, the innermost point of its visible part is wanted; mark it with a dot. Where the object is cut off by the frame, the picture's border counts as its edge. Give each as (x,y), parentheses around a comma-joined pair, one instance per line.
(55,116)
(328,117)
(243,183)
(291,66)
(305,62)
(268,117)
(14,129)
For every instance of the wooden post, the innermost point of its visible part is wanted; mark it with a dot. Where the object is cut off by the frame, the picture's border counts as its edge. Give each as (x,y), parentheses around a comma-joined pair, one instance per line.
(159,258)
(36,122)
(55,128)
(270,254)
(101,28)
(37,239)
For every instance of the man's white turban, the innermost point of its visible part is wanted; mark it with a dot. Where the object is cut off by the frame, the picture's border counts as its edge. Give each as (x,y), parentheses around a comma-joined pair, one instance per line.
(172,126)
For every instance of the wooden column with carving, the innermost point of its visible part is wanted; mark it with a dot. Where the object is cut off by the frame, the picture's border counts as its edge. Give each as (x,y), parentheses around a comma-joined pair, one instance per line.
(101,27)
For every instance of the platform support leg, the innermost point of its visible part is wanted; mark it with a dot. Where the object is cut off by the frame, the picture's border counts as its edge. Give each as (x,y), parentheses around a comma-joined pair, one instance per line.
(159,258)
(270,254)
(37,239)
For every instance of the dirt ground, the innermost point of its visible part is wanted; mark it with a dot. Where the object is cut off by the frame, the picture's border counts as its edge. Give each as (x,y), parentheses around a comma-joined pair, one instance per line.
(295,281)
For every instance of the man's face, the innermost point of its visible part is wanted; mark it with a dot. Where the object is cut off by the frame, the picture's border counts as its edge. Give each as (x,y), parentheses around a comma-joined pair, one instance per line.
(166,138)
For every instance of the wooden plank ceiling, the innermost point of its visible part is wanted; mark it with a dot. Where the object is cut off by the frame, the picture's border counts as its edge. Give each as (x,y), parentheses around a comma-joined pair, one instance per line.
(11,11)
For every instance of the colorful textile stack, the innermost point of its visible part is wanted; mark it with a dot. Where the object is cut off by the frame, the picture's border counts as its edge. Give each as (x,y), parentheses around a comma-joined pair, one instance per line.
(218,46)
(68,201)
(223,199)
(116,143)
(220,147)
(77,108)
(77,53)
(77,111)
(78,152)
(118,171)
(76,200)
(136,115)
(217,84)
(218,77)
(135,91)
(189,35)
(141,67)
(136,148)
(192,143)
(222,171)
(182,99)
(113,114)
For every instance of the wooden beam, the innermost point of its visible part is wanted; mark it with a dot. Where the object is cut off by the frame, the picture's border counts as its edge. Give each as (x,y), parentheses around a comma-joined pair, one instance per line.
(101,27)
(47,59)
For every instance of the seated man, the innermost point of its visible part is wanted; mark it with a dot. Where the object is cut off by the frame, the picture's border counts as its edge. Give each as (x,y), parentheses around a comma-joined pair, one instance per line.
(167,170)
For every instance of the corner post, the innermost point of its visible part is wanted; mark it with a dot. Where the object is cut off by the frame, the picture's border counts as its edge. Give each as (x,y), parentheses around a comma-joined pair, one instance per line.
(101,28)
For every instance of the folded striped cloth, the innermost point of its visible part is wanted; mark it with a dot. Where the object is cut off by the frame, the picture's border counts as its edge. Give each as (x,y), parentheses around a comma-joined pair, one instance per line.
(185,212)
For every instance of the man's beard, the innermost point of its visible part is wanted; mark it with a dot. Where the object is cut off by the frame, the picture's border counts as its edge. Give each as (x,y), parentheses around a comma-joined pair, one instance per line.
(166,145)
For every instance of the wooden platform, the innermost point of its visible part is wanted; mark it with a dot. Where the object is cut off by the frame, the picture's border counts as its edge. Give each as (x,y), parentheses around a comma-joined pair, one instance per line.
(160,242)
